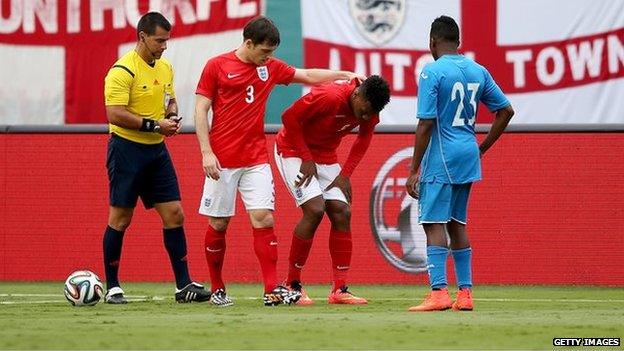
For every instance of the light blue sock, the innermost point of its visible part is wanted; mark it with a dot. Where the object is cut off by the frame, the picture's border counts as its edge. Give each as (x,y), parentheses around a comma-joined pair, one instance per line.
(436,265)
(463,267)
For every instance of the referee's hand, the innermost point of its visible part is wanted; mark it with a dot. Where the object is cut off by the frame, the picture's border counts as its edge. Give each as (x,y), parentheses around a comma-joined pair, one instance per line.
(168,127)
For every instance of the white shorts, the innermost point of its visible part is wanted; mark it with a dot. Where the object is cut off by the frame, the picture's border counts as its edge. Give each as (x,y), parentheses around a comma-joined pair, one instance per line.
(289,170)
(255,185)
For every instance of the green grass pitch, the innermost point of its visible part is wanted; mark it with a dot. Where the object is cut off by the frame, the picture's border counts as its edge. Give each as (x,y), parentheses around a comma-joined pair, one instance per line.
(36,316)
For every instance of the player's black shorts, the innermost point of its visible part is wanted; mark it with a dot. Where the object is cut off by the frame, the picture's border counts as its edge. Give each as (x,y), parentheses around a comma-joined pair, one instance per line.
(136,169)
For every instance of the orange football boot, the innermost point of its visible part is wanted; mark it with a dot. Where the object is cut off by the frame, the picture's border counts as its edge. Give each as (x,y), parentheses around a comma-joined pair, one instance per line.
(304,300)
(436,300)
(343,296)
(463,301)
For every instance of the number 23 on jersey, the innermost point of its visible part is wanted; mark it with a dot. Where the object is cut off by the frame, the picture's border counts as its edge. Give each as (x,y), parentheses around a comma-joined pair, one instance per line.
(459,92)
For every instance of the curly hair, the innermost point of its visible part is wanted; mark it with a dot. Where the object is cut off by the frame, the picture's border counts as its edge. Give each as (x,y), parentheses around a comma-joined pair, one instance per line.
(375,90)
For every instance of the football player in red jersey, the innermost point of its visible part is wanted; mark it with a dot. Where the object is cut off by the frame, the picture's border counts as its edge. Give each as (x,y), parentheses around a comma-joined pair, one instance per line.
(309,166)
(236,85)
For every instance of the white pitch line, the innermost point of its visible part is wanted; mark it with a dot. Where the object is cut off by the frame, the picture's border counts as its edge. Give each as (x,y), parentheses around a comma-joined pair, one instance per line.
(56,295)
(480,299)
(155,298)
(140,298)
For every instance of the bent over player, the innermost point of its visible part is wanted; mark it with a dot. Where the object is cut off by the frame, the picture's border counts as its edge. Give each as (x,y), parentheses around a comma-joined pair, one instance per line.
(236,85)
(305,154)
(449,159)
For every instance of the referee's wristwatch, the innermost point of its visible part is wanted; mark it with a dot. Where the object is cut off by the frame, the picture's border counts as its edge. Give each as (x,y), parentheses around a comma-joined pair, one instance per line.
(157,128)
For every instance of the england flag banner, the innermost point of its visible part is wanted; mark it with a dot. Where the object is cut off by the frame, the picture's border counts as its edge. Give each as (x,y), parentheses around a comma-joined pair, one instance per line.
(55,53)
(559,62)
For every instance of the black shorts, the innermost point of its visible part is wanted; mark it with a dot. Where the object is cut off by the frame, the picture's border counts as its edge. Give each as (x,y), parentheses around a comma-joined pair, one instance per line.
(136,169)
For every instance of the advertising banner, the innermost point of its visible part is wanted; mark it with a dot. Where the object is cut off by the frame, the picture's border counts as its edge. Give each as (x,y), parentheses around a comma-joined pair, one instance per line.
(548,211)
(56,53)
(559,62)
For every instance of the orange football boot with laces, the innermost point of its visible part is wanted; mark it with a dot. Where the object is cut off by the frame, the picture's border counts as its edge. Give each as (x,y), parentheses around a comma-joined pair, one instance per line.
(304,300)
(436,300)
(463,301)
(343,296)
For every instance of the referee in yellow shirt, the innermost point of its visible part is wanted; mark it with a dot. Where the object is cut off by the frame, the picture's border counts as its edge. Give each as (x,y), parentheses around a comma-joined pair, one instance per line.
(142,110)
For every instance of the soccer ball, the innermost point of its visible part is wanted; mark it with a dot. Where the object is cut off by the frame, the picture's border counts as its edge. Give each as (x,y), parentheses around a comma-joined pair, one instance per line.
(83,288)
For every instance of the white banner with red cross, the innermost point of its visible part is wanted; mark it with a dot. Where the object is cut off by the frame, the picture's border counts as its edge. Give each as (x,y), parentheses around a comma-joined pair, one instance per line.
(55,53)
(559,62)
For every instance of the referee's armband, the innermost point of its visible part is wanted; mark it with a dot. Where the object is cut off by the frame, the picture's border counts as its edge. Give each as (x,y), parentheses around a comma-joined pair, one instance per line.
(148,125)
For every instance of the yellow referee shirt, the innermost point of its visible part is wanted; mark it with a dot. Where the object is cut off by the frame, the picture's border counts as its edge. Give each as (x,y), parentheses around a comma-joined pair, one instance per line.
(143,89)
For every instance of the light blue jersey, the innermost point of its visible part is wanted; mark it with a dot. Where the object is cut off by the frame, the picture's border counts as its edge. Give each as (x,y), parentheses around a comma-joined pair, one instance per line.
(449,91)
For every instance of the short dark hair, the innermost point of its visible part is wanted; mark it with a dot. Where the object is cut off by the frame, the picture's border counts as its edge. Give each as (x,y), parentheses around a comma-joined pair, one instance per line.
(445,28)
(376,91)
(150,21)
(261,30)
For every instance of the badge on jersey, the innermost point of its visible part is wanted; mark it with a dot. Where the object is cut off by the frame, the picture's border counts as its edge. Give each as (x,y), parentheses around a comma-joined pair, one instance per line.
(263,73)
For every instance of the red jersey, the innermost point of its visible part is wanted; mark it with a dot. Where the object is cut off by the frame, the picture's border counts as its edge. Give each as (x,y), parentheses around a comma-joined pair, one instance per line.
(316,123)
(239,92)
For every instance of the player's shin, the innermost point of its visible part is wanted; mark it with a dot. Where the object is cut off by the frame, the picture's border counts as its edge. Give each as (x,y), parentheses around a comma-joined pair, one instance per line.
(214,248)
(299,252)
(265,247)
(340,249)
(436,265)
(463,267)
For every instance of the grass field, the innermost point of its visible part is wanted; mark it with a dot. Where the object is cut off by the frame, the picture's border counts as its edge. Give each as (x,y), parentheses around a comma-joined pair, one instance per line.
(36,316)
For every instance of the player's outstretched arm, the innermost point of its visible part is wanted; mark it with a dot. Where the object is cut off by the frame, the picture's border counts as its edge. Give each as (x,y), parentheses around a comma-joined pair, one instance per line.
(210,163)
(313,76)
(423,136)
(503,116)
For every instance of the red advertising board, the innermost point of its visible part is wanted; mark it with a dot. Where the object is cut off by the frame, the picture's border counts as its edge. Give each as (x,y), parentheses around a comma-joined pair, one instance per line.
(549,211)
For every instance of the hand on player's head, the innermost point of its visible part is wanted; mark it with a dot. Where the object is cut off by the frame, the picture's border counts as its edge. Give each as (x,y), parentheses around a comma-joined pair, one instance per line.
(370,97)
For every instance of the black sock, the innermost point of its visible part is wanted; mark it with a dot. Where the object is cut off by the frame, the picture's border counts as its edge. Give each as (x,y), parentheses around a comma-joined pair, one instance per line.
(175,243)
(113,240)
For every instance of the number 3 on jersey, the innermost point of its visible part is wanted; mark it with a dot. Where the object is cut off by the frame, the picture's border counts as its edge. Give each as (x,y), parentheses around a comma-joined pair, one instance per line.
(459,92)
(249,98)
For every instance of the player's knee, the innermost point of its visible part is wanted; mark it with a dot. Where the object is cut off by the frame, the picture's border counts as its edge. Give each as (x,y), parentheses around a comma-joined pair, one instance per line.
(219,224)
(314,211)
(340,216)
(262,219)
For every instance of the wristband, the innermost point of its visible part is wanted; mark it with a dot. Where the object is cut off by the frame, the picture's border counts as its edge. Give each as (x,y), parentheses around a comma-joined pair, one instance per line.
(147,125)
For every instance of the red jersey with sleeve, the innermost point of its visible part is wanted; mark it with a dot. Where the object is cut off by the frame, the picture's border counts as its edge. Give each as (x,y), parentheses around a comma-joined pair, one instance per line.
(316,123)
(239,92)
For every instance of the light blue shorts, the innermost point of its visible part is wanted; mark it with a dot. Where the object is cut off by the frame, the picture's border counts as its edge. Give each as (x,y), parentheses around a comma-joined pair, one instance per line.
(441,203)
